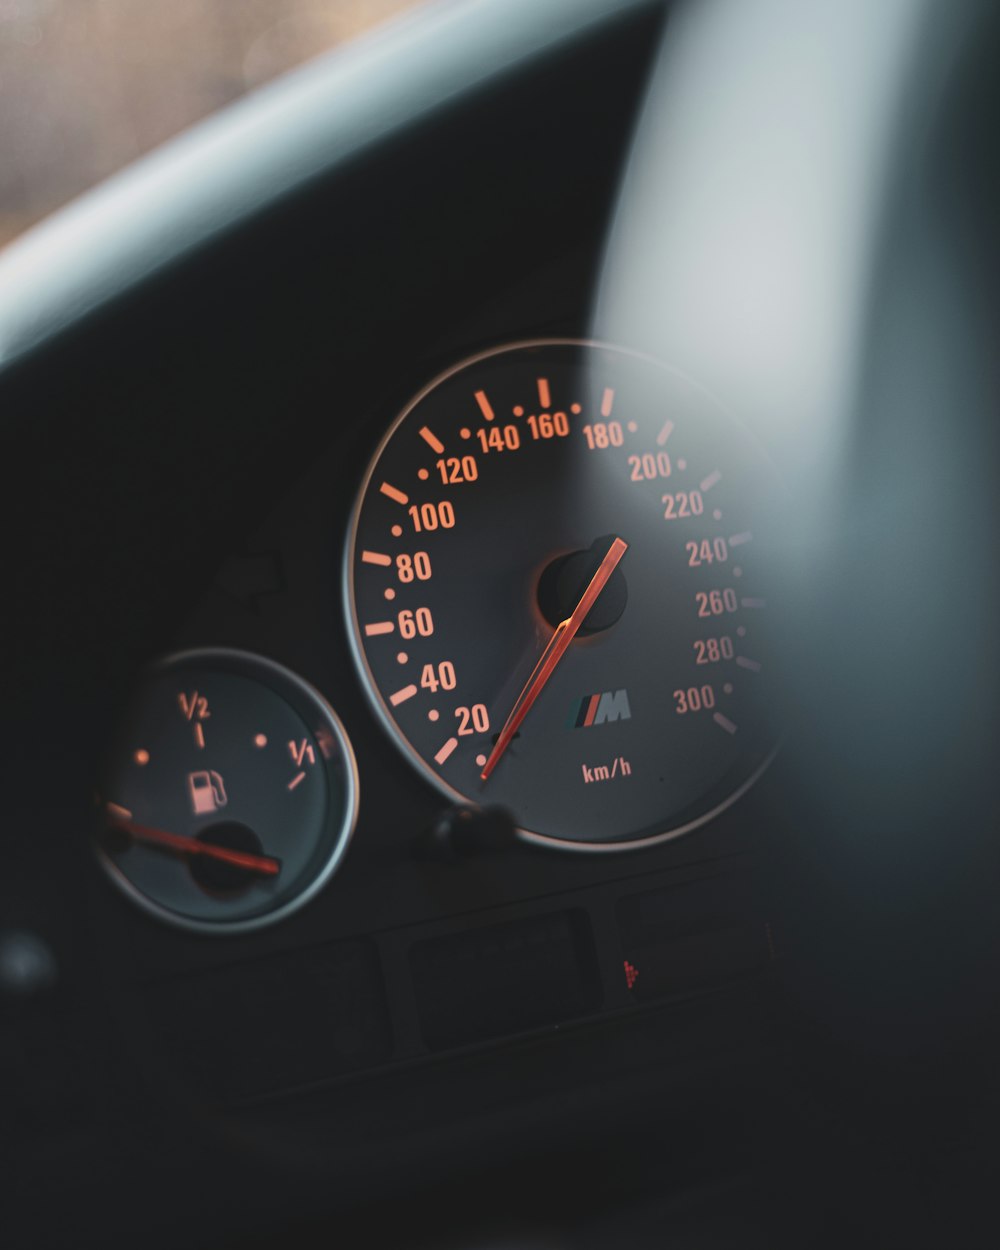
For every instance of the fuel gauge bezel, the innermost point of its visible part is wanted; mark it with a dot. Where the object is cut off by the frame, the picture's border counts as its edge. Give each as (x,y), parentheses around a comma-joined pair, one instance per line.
(314,710)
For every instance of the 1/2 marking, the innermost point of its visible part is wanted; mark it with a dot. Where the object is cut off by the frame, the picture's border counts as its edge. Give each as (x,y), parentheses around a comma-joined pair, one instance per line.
(194,708)
(193,705)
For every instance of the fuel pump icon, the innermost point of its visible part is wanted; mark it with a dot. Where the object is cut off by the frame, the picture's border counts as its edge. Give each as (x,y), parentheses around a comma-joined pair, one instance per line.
(207,791)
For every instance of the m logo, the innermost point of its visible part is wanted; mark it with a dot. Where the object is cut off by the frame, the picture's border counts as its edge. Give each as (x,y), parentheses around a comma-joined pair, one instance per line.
(599,709)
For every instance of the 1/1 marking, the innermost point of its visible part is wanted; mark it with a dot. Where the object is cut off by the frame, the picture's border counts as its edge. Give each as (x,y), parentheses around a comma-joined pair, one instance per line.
(301,752)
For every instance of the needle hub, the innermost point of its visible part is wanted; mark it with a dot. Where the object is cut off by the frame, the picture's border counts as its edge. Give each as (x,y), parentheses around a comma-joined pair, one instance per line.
(216,876)
(565,579)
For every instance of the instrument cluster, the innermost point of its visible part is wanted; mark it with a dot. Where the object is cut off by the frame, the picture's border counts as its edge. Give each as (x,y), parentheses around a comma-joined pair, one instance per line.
(556,591)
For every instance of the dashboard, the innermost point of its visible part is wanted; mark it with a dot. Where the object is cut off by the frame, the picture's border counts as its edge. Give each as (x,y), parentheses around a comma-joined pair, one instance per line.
(420,829)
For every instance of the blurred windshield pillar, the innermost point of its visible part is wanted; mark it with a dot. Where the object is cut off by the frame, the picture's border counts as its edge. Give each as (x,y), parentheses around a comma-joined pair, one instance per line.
(791,232)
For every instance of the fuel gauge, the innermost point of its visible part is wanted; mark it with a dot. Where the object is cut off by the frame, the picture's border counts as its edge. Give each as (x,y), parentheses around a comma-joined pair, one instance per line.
(231,793)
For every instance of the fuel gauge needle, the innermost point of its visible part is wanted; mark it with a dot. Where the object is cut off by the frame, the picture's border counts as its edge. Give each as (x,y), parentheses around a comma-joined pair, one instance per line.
(556,648)
(193,846)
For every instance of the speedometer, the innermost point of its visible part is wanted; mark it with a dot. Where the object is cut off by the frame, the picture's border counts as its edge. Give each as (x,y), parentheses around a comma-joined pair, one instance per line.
(556,588)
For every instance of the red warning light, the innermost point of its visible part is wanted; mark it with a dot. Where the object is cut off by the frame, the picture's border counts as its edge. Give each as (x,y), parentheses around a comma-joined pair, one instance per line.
(630,974)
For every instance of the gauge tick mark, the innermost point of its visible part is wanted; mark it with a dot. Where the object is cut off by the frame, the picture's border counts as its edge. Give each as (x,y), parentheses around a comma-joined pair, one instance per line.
(392,493)
(446,751)
(431,440)
(485,407)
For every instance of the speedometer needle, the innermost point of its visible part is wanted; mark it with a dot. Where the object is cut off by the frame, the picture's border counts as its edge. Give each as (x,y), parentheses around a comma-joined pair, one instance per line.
(564,634)
(192,846)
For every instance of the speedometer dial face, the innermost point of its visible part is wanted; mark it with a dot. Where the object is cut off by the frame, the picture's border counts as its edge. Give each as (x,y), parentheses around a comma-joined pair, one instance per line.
(556,584)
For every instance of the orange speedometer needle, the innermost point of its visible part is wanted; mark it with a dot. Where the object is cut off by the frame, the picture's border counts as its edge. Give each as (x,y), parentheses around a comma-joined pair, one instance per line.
(564,634)
(192,846)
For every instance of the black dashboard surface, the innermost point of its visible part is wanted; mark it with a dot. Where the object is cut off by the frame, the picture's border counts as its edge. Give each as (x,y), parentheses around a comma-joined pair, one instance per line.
(434,1047)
